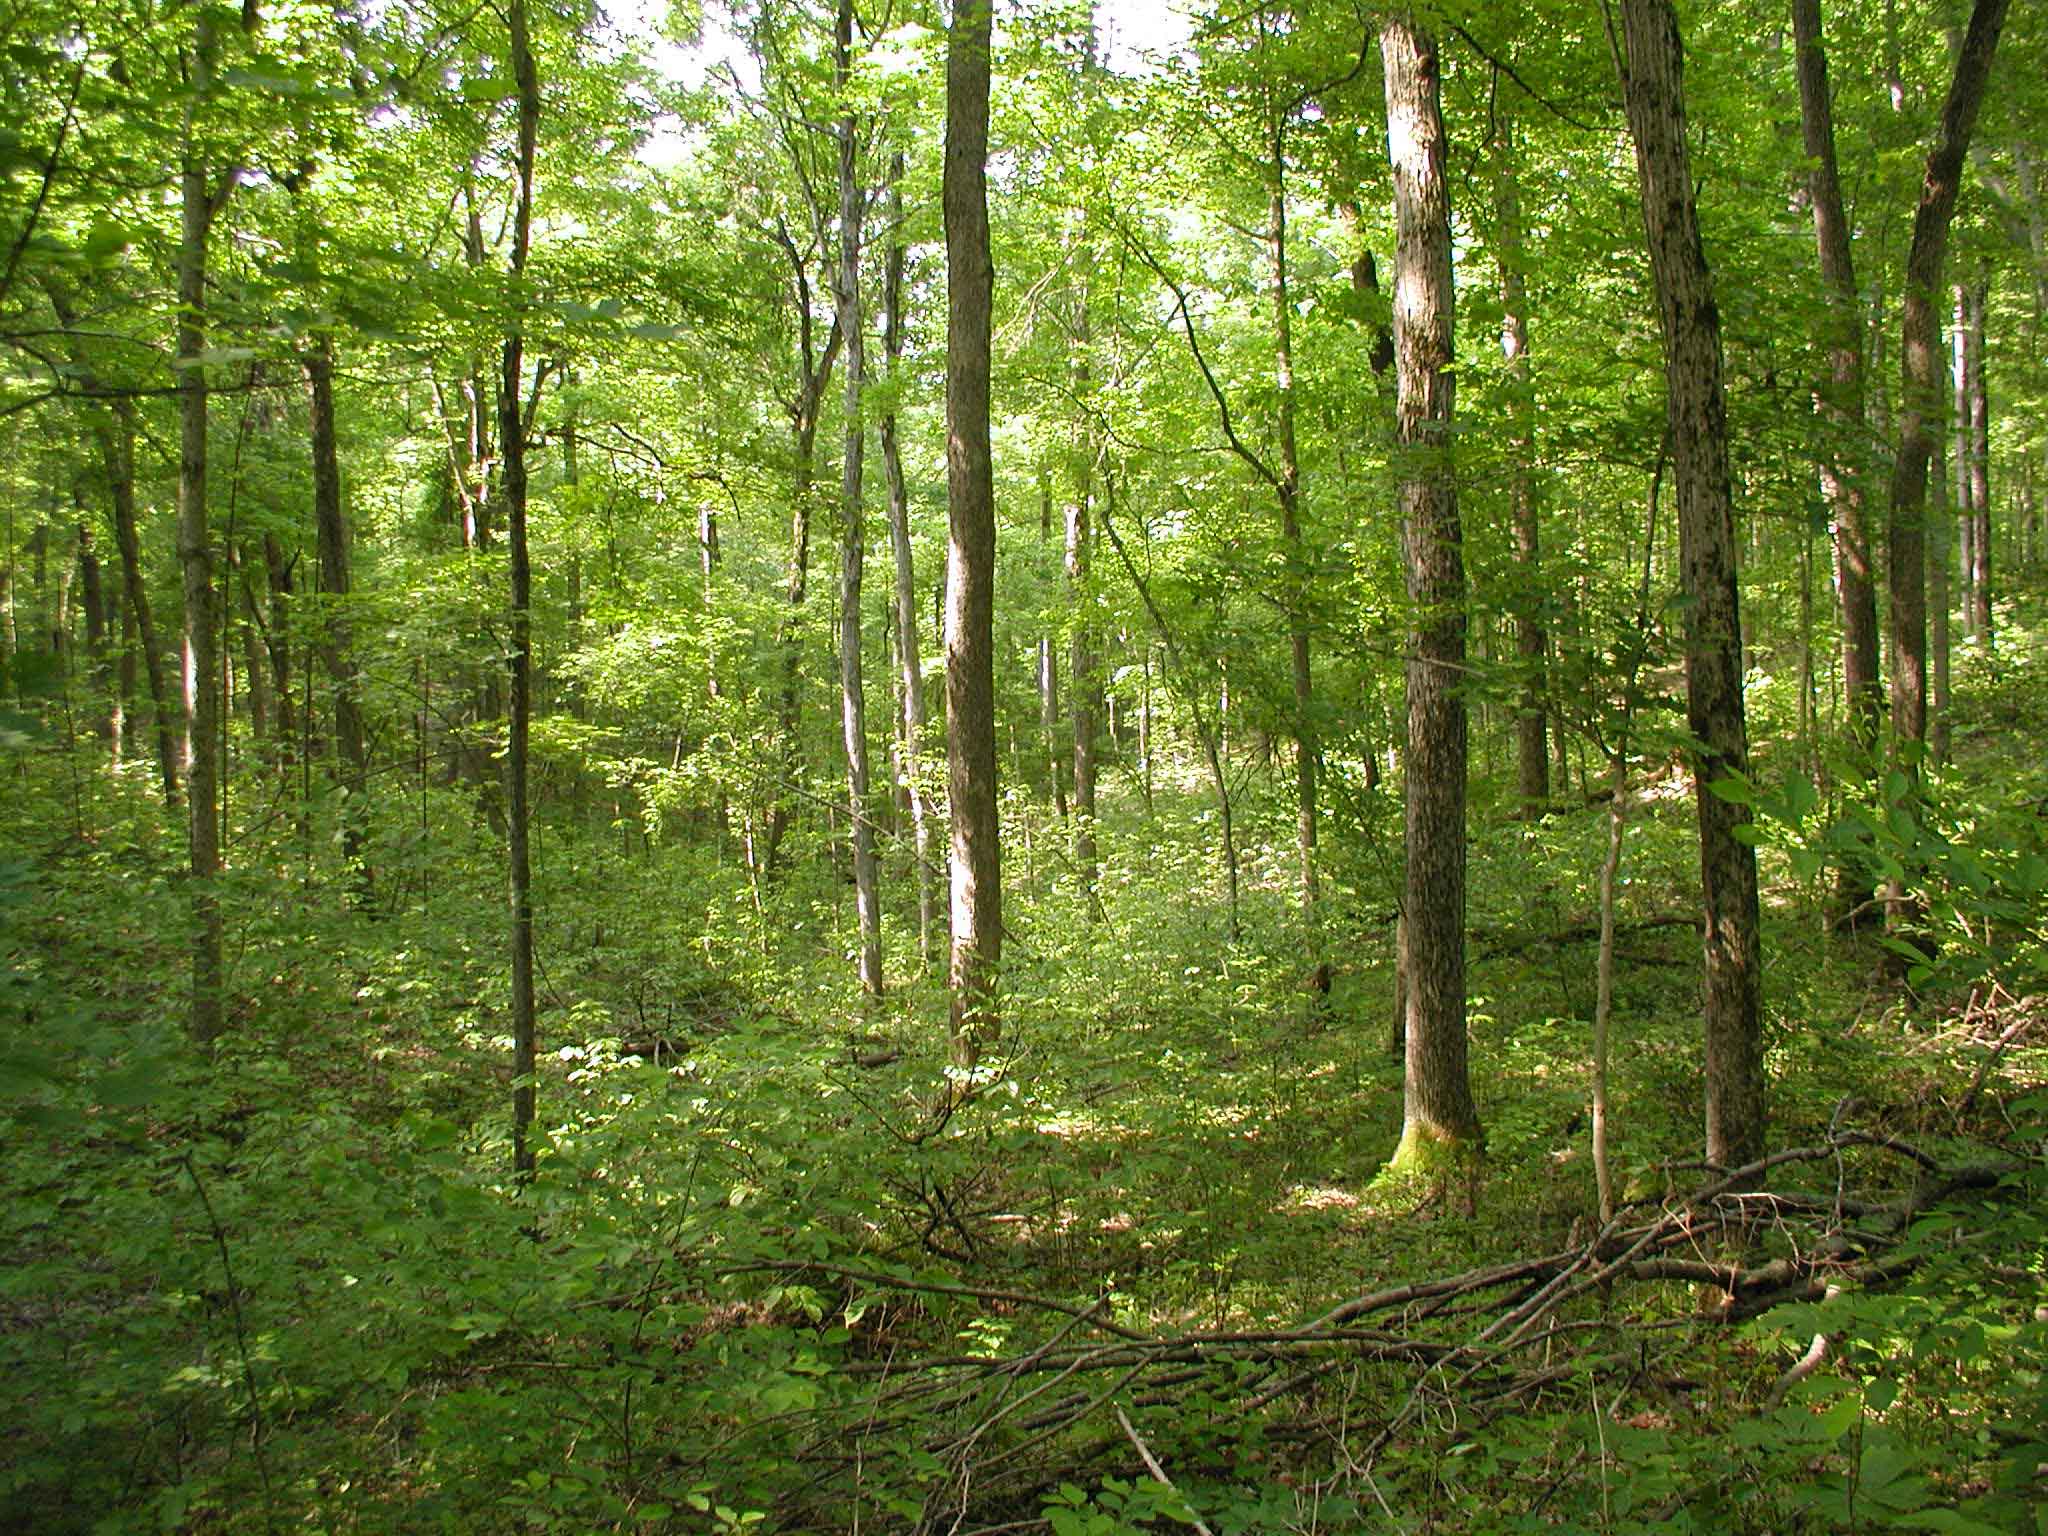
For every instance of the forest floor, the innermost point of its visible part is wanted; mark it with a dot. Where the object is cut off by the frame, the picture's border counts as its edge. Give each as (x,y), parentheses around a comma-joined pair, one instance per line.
(779,1272)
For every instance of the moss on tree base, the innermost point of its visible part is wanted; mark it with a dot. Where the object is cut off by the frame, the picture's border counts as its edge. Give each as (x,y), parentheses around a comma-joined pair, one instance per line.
(1432,1164)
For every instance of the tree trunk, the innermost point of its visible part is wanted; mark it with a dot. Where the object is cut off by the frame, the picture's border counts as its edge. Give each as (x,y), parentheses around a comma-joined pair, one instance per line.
(1294,547)
(117,453)
(277,638)
(1440,1134)
(1049,670)
(1532,753)
(853,534)
(1841,392)
(977,901)
(93,594)
(195,558)
(336,642)
(1980,472)
(909,655)
(1964,534)
(1084,684)
(1696,416)
(1941,535)
(512,447)
(1919,397)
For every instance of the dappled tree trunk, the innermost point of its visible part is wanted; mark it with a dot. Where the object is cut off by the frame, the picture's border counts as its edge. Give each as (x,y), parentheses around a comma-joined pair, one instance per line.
(1697,423)
(519,658)
(1841,392)
(908,654)
(971,545)
(92,593)
(1919,392)
(1440,1124)
(1963,535)
(1532,753)
(853,535)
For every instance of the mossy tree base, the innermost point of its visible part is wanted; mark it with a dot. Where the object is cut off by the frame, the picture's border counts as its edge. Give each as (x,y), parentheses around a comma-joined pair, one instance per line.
(1432,1164)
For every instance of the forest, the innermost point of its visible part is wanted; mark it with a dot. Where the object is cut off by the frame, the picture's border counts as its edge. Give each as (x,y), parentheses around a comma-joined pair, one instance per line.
(865,765)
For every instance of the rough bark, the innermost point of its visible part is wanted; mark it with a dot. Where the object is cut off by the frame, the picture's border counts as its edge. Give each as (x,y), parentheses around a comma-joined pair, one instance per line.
(908,653)
(1440,1123)
(977,893)
(1840,395)
(519,659)
(1920,411)
(853,530)
(1696,417)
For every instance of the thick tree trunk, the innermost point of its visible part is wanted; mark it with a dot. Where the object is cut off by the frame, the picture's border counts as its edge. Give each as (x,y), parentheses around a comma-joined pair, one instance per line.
(1696,416)
(1843,469)
(977,900)
(853,534)
(512,446)
(1919,392)
(1532,752)
(1440,1124)
(908,653)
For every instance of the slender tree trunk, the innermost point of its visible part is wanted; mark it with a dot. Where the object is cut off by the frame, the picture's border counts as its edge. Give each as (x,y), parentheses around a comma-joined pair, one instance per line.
(977,903)
(1440,1124)
(1084,684)
(277,639)
(512,446)
(195,559)
(117,453)
(1980,471)
(908,652)
(853,533)
(1964,533)
(1841,393)
(1919,393)
(254,662)
(93,594)
(1532,754)
(336,641)
(1049,670)
(1696,414)
(1941,534)
(1294,546)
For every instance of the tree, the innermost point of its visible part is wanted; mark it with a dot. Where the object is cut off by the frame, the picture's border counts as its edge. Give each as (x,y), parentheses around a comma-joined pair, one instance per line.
(977,906)
(1696,417)
(1440,1124)
(1919,376)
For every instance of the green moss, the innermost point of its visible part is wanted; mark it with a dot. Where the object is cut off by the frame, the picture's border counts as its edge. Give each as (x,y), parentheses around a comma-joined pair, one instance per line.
(1432,1164)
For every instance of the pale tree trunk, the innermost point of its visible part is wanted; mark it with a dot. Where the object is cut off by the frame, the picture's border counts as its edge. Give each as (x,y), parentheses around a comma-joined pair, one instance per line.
(1843,468)
(92,591)
(1084,685)
(1532,753)
(1940,538)
(336,641)
(519,660)
(853,534)
(1440,1133)
(908,654)
(977,898)
(1980,471)
(1697,423)
(1919,392)
(1049,670)
(200,202)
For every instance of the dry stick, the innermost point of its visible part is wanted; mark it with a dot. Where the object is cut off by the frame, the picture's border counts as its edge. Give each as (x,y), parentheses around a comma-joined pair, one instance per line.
(1152,1465)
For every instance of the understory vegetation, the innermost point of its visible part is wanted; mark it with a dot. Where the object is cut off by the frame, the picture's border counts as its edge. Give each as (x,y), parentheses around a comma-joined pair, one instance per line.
(777,1270)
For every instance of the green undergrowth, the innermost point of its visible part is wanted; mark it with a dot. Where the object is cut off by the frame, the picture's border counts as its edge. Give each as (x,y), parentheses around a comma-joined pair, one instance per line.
(290,1284)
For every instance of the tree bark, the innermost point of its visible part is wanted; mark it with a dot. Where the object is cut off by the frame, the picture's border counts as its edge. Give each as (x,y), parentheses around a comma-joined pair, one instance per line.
(519,661)
(1049,669)
(1964,534)
(1980,472)
(908,653)
(1840,396)
(1440,1124)
(853,531)
(1696,415)
(117,454)
(1919,392)
(977,893)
